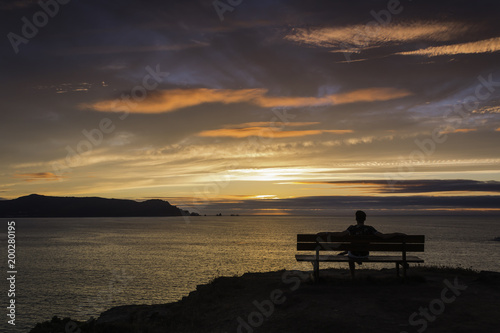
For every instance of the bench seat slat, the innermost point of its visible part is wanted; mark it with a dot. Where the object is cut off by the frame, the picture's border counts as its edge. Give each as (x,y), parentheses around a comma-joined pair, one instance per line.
(372,239)
(359,247)
(336,258)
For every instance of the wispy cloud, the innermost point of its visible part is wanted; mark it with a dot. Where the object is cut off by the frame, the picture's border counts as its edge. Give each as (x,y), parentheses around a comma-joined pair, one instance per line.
(266,131)
(175,99)
(270,124)
(482,46)
(488,109)
(114,49)
(29,177)
(364,36)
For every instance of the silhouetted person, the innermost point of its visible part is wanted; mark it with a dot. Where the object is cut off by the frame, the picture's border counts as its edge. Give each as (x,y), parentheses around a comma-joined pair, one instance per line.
(359,229)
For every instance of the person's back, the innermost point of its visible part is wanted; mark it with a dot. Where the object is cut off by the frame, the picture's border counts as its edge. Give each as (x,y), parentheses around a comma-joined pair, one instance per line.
(360,229)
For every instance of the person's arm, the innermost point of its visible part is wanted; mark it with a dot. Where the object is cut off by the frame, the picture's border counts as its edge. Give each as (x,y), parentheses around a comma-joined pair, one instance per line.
(326,236)
(385,236)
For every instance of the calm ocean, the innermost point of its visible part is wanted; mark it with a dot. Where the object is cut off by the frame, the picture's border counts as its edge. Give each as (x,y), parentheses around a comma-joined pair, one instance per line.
(79,267)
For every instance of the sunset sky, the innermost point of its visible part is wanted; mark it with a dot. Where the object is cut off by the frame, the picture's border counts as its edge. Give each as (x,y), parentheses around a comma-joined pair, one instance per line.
(253,106)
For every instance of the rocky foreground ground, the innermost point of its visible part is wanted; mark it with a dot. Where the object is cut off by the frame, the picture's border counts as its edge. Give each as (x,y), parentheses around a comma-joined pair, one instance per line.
(430,300)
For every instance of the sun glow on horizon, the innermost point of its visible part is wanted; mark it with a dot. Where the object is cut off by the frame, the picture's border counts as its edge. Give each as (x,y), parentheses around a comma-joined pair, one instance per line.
(265,108)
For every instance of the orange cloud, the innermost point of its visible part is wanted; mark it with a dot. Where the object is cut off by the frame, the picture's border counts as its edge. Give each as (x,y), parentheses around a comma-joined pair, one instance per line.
(362,95)
(175,99)
(460,130)
(266,132)
(270,124)
(482,46)
(171,100)
(29,177)
(369,95)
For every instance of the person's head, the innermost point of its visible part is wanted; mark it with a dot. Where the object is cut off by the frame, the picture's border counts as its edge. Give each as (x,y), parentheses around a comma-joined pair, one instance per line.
(360,216)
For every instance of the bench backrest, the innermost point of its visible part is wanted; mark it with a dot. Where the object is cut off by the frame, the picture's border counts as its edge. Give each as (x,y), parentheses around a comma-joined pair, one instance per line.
(408,243)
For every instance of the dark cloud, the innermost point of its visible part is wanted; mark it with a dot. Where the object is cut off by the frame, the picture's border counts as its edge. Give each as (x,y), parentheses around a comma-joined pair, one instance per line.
(30,177)
(423,185)
(331,205)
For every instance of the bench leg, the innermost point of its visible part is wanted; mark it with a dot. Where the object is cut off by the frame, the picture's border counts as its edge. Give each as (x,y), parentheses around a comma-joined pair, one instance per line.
(397,268)
(352,267)
(315,274)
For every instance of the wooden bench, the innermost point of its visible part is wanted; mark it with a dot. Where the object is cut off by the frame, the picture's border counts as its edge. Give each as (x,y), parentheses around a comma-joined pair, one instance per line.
(401,244)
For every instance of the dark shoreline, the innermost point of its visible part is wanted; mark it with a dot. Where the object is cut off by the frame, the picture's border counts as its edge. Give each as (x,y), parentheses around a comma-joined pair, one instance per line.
(35,205)
(459,300)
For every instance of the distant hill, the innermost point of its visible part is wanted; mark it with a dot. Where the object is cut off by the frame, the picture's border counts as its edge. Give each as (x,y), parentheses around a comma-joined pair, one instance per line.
(35,205)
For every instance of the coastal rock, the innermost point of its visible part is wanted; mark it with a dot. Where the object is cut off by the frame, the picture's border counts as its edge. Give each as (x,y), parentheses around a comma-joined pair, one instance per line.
(35,205)
(384,302)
